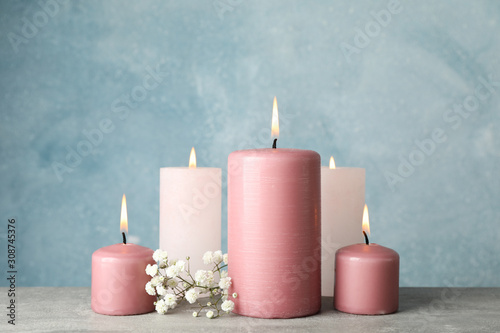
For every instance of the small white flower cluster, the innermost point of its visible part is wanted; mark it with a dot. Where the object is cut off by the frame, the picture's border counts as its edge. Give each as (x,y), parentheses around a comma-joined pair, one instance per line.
(163,286)
(171,282)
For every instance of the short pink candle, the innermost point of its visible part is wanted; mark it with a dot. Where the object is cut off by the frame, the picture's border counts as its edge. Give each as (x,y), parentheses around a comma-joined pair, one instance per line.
(119,276)
(274,214)
(366,279)
(119,279)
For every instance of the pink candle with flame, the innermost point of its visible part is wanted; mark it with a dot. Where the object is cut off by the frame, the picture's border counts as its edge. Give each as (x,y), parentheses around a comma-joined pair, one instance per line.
(119,277)
(274,214)
(366,278)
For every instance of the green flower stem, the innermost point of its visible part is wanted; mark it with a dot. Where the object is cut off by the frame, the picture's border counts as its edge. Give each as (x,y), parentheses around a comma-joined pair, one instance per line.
(189,283)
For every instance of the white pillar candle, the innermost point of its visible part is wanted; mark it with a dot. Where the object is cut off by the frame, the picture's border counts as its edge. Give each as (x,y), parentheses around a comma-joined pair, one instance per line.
(190,212)
(342,202)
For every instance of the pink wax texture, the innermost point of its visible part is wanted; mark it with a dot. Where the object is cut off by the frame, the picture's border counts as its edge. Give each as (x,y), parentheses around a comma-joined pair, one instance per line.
(274,232)
(119,279)
(366,279)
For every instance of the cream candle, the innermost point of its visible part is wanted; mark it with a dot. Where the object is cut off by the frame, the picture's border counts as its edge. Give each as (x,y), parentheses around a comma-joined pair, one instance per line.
(119,277)
(366,278)
(190,212)
(342,200)
(274,211)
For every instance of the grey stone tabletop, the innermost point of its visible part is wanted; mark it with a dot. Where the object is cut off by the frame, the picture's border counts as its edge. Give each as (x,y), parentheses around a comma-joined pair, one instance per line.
(67,309)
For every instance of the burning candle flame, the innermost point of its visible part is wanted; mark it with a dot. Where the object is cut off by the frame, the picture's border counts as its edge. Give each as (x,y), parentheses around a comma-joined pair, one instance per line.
(275,124)
(123,216)
(366,221)
(332,163)
(192,159)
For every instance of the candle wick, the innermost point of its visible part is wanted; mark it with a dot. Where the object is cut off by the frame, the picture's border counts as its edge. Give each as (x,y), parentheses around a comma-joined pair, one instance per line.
(366,238)
(125,238)
(274,143)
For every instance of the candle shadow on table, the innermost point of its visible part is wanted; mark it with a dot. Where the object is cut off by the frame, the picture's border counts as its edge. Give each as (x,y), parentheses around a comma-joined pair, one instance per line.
(327,304)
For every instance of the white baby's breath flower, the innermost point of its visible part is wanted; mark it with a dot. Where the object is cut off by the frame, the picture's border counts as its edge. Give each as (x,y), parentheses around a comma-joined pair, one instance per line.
(195,314)
(160,289)
(161,307)
(225,258)
(151,270)
(156,255)
(225,282)
(191,296)
(199,275)
(181,265)
(156,280)
(170,300)
(172,283)
(160,255)
(217,257)
(235,295)
(150,289)
(163,256)
(204,278)
(207,257)
(227,306)
(174,270)
(171,271)
(210,314)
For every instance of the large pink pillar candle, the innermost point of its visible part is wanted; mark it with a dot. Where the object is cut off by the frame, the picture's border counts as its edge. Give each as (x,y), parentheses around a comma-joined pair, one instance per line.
(342,201)
(190,213)
(274,214)
(366,279)
(119,279)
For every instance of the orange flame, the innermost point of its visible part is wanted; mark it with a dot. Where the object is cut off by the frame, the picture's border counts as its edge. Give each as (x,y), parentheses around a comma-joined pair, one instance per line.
(123,216)
(275,124)
(366,221)
(332,163)
(192,159)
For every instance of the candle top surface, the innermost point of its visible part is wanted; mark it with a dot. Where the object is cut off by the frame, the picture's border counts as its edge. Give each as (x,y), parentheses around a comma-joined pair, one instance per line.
(126,250)
(269,152)
(362,251)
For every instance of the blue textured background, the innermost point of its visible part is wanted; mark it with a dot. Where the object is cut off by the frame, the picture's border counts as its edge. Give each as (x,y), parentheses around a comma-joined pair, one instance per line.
(221,63)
